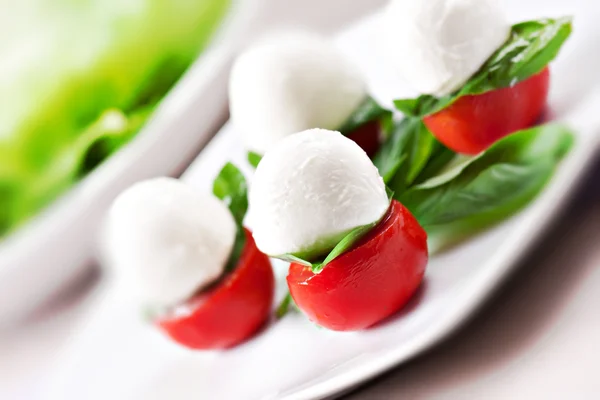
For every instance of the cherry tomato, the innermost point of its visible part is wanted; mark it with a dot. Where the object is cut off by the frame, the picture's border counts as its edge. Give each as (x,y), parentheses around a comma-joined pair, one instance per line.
(473,123)
(232,311)
(368,137)
(368,283)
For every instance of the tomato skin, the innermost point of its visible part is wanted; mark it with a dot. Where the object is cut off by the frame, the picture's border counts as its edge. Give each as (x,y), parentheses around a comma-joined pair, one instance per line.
(368,137)
(368,283)
(232,311)
(473,123)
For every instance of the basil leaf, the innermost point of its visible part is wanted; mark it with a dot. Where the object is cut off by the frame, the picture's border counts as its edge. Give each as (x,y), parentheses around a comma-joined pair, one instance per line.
(512,171)
(391,155)
(530,47)
(405,153)
(453,168)
(438,161)
(230,186)
(286,305)
(343,246)
(368,111)
(238,248)
(477,192)
(254,158)
(296,260)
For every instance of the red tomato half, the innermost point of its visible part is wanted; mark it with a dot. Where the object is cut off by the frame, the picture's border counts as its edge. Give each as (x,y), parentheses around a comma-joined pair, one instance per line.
(368,283)
(473,123)
(232,311)
(368,137)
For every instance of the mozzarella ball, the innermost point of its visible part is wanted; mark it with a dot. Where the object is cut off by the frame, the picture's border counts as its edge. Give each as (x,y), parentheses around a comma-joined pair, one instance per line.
(167,240)
(312,189)
(437,45)
(292,83)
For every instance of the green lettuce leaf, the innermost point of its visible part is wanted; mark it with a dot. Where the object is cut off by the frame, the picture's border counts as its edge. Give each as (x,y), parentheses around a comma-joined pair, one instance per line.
(95,144)
(68,70)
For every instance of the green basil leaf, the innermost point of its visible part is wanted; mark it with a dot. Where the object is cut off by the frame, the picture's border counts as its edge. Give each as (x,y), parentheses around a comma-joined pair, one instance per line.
(531,46)
(286,305)
(230,186)
(343,246)
(368,111)
(254,158)
(391,156)
(389,192)
(296,260)
(512,171)
(405,153)
(553,140)
(452,169)
(477,192)
(440,157)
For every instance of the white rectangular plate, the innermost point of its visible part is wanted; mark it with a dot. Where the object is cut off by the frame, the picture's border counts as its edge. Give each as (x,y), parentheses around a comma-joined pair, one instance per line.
(116,355)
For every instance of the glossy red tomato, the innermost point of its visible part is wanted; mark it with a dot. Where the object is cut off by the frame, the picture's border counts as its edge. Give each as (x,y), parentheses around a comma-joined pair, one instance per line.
(473,123)
(232,311)
(368,137)
(368,283)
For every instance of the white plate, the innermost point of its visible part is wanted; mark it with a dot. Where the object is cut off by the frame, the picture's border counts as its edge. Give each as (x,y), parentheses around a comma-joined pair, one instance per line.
(49,251)
(117,356)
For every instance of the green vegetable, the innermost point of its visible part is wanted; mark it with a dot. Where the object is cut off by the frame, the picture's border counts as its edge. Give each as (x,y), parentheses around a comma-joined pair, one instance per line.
(499,181)
(440,157)
(285,306)
(343,245)
(231,187)
(254,158)
(530,47)
(368,111)
(66,72)
(406,153)
(100,139)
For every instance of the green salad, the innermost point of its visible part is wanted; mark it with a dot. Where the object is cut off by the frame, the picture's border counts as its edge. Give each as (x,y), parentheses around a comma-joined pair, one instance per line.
(78,79)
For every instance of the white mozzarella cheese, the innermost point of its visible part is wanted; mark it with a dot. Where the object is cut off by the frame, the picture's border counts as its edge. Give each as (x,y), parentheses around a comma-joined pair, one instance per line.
(167,240)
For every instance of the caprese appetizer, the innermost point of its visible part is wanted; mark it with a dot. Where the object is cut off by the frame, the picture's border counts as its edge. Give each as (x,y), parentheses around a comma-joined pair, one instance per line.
(357,257)
(299,81)
(186,255)
(480,77)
